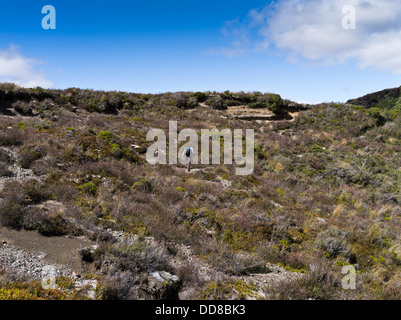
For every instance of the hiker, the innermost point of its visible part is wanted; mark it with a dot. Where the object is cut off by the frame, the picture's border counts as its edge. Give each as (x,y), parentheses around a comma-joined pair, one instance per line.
(188,152)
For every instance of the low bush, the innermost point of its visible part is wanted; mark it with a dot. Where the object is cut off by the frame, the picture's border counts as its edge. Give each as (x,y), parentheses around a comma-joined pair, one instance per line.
(5,157)
(47,224)
(35,192)
(30,154)
(137,257)
(273,102)
(185,101)
(200,96)
(4,171)
(23,108)
(119,286)
(334,242)
(11,137)
(89,188)
(216,102)
(12,207)
(12,214)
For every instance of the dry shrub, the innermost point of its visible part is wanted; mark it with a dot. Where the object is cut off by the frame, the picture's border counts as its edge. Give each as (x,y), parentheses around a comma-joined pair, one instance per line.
(30,154)
(4,171)
(119,286)
(12,208)
(11,137)
(5,157)
(16,214)
(137,257)
(334,242)
(319,283)
(189,275)
(47,224)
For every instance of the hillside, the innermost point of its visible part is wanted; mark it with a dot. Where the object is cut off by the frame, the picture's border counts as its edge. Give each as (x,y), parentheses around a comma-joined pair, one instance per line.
(372,99)
(77,194)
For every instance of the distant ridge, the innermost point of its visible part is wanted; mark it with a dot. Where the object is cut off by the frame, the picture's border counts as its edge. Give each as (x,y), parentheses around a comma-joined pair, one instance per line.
(369,100)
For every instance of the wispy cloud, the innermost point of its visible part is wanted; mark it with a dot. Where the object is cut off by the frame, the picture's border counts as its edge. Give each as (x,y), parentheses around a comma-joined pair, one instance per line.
(312,30)
(236,34)
(16,68)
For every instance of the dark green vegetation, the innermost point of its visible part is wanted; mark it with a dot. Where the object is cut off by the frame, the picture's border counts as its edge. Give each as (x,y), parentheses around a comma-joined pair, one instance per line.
(324,193)
(373,99)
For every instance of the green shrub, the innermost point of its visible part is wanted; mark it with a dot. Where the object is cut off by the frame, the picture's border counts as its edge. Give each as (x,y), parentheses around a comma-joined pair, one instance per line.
(216,102)
(276,104)
(316,149)
(116,151)
(105,136)
(200,96)
(386,104)
(145,185)
(273,102)
(21,125)
(88,187)
(237,289)
(185,101)
(377,115)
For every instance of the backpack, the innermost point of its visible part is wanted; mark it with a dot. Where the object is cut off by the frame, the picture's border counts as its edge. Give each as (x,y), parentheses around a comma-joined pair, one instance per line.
(188,152)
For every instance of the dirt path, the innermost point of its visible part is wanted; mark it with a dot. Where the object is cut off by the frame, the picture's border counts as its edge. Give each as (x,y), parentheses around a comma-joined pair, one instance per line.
(244,110)
(56,250)
(259,115)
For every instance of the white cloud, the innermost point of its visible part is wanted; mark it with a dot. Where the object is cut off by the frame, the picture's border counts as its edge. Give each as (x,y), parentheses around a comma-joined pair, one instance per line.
(16,68)
(312,29)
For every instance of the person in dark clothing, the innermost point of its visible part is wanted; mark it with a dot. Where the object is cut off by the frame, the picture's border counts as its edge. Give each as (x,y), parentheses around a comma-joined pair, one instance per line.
(188,153)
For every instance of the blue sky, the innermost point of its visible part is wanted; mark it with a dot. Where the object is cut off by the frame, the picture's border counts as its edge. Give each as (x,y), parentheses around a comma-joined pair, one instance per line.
(295,48)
